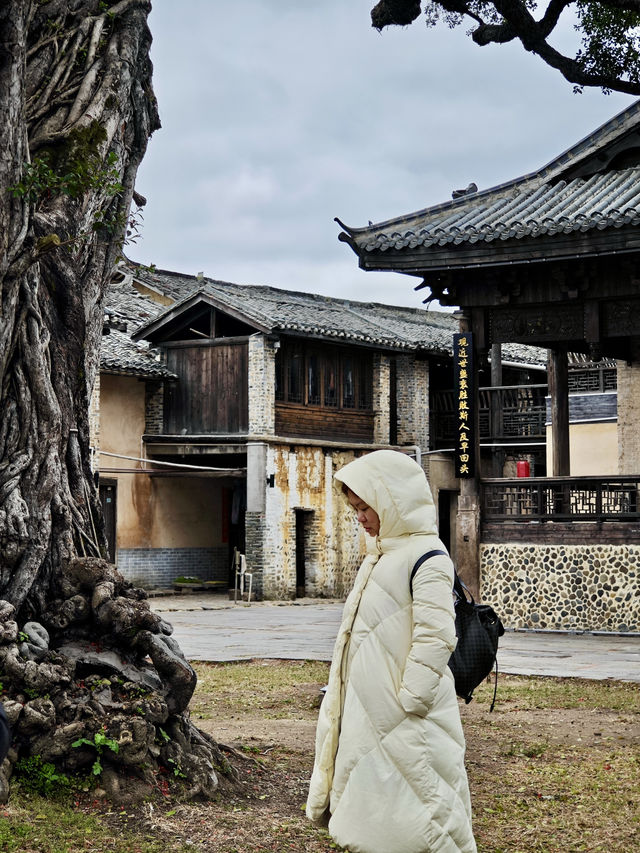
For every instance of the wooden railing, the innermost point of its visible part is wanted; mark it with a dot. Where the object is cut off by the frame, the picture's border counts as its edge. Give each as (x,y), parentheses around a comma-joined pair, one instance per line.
(504,413)
(561,499)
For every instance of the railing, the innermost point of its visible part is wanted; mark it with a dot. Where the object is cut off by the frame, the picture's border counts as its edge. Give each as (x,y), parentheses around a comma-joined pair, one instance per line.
(505,412)
(593,378)
(561,499)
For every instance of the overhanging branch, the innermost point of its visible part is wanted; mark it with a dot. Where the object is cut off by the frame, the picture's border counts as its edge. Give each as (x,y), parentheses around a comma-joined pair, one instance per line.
(502,21)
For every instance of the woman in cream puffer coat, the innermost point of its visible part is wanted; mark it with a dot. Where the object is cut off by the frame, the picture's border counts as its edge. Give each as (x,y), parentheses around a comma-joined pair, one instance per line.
(389,765)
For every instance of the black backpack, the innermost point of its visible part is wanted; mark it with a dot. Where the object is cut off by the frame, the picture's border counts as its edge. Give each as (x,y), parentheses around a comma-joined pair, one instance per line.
(478,628)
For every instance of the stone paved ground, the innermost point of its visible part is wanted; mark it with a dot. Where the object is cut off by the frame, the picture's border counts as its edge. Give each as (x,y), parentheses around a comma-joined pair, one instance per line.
(211,628)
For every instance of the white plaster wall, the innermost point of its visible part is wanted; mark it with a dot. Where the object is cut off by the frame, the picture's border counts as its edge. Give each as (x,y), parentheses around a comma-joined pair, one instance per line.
(593,449)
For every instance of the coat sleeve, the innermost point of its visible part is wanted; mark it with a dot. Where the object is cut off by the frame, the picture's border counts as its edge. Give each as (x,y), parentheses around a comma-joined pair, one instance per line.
(433,635)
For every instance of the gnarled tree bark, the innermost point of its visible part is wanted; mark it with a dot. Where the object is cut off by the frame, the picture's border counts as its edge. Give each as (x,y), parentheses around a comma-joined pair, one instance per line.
(82,656)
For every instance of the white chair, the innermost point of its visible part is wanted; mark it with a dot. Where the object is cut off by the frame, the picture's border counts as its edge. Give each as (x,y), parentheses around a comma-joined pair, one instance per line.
(241,575)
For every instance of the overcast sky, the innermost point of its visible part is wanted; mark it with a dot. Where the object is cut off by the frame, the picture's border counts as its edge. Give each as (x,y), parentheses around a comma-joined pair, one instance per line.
(278,115)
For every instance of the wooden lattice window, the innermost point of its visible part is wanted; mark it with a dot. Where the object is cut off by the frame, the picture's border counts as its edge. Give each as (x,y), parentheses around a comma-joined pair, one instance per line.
(324,377)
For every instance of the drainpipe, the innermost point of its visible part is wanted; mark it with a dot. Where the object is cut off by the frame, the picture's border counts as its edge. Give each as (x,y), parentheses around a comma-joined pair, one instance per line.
(417,452)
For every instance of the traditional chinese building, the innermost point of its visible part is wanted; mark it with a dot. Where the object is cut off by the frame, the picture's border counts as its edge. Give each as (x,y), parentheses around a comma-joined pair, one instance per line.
(550,259)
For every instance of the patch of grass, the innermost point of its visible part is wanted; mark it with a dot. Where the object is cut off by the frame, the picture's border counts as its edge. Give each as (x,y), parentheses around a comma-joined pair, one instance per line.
(554,769)
(275,689)
(566,800)
(522,693)
(33,823)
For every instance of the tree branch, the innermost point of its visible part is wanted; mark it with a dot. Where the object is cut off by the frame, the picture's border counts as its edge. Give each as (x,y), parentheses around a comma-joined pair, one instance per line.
(502,21)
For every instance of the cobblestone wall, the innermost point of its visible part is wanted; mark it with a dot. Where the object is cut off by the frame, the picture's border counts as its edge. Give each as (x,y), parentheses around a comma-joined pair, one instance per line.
(157,568)
(570,587)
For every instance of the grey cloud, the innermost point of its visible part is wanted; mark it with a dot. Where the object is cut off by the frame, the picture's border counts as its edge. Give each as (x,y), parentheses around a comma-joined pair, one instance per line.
(279,115)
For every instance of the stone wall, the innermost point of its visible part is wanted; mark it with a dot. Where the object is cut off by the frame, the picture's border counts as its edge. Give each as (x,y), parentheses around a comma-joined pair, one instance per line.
(254,550)
(380,398)
(570,587)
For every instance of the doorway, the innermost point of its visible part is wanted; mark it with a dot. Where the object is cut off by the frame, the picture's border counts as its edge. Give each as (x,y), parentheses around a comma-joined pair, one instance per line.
(447,512)
(108,491)
(303,527)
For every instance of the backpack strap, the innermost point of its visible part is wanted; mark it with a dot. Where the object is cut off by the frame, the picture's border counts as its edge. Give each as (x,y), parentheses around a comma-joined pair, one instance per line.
(420,561)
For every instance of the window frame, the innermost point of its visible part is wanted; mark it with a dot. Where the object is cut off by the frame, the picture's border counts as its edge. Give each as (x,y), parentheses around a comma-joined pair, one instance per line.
(324,368)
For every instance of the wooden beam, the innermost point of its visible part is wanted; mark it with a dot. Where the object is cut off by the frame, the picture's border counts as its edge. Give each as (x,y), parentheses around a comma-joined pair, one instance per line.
(559,392)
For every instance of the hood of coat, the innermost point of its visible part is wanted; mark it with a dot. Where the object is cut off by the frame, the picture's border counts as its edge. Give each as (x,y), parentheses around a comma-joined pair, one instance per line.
(397,488)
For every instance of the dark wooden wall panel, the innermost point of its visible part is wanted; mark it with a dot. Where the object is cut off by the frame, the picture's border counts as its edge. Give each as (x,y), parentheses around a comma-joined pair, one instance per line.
(211,395)
(307,422)
(558,533)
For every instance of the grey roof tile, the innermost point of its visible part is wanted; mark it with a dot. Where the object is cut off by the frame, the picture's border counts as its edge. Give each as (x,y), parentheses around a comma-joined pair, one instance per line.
(609,200)
(330,318)
(120,355)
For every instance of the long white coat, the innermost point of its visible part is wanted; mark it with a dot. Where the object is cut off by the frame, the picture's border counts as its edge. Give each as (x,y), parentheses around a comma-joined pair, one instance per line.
(389,764)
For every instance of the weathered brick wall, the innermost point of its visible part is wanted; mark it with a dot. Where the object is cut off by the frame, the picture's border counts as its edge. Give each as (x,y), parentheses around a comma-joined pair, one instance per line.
(303,482)
(563,587)
(262,379)
(254,550)
(628,418)
(413,401)
(154,407)
(380,398)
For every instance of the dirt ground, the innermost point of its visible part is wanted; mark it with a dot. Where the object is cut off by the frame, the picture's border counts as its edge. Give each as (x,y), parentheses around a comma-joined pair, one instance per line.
(540,776)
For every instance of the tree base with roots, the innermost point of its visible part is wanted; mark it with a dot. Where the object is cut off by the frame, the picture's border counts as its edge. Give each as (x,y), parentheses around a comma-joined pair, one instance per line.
(98,687)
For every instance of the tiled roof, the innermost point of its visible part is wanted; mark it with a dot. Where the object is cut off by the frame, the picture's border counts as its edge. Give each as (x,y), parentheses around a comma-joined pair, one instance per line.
(119,354)
(556,199)
(332,319)
(338,319)
(528,209)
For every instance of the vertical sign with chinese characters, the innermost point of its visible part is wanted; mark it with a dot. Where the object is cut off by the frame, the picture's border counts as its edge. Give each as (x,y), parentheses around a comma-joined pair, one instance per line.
(463,383)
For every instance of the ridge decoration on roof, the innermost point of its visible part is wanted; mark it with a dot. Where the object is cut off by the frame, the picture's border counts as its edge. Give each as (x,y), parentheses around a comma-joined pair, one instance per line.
(590,189)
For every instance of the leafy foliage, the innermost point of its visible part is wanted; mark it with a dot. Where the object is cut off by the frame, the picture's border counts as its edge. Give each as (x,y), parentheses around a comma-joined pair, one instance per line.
(99,743)
(72,168)
(41,777)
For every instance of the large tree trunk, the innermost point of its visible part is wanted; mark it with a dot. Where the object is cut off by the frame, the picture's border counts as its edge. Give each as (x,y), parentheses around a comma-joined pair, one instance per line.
(76,111)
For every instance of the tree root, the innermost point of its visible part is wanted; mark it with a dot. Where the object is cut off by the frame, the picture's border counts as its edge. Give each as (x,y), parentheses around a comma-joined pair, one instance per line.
(100,687)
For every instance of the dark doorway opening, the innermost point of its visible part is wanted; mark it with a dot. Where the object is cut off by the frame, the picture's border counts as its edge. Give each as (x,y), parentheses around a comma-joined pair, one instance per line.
(108,490)
(447,509)
(303,524)
(234,507)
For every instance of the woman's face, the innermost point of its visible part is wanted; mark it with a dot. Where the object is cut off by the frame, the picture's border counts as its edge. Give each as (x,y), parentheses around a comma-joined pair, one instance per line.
(367,516)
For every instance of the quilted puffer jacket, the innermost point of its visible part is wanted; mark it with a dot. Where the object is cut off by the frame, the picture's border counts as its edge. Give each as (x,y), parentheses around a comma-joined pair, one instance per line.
(389,764)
